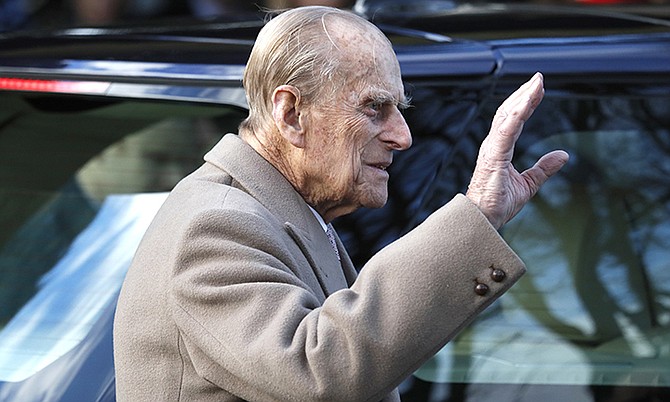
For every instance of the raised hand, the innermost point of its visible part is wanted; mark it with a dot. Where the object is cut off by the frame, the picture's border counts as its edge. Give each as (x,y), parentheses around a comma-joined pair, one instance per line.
(497,188)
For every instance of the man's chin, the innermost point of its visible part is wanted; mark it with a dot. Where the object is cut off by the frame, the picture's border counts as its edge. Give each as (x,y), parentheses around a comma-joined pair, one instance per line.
(377,201)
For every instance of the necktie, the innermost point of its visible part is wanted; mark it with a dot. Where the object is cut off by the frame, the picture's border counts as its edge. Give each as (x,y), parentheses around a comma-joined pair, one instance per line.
(331,237)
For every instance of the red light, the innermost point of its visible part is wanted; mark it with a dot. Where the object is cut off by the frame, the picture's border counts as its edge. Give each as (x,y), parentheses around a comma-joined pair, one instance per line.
(30,85)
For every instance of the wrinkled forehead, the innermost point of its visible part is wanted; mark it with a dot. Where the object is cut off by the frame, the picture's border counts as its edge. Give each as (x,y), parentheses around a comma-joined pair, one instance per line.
(366,56)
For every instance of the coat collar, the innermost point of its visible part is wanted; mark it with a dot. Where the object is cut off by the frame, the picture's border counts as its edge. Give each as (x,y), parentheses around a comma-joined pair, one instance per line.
(261,180)
(267,185)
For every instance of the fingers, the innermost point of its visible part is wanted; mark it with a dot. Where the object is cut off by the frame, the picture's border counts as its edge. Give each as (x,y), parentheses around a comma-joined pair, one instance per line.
(511,116)
(496,187)
(522,102)
(543,169)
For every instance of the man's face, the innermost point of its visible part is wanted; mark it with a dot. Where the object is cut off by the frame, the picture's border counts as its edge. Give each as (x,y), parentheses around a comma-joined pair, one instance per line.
(351,138)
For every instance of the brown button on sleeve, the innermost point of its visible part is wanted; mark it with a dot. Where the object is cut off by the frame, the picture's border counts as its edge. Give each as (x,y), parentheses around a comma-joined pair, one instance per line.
(498,275)
(481,289)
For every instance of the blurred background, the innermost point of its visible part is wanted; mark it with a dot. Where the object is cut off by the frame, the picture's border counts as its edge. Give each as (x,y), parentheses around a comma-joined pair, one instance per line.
(36,14)
(54,14)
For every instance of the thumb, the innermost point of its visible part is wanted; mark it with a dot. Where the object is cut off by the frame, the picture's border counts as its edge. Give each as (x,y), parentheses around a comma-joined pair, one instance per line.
(544,168)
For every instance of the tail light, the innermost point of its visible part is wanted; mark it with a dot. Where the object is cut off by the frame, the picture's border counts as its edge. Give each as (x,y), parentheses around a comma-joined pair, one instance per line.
(56,86)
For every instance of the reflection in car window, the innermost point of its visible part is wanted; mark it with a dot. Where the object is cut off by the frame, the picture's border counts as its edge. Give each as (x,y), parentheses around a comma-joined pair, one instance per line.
(74,293)
(73,213)
(594,308)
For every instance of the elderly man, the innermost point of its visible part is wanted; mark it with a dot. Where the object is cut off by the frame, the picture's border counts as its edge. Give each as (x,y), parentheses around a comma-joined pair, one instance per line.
(236,293)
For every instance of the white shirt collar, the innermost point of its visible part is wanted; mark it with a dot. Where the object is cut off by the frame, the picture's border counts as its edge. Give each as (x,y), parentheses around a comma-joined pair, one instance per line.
(319,218)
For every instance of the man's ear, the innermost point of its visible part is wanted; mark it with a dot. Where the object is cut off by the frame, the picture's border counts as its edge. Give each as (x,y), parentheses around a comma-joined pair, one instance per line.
(286,107)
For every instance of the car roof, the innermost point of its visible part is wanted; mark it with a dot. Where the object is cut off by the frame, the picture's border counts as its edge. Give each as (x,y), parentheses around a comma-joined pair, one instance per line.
(597,9)
(485,41)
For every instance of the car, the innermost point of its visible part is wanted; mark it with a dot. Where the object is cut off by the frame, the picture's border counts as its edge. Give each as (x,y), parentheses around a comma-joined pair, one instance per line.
(97,124)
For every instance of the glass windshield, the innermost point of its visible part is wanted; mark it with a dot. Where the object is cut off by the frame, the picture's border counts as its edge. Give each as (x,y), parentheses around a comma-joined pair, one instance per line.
(80,181)
(594,308)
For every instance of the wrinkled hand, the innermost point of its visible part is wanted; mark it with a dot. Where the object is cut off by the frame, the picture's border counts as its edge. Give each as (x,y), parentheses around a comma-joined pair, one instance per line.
(497,188)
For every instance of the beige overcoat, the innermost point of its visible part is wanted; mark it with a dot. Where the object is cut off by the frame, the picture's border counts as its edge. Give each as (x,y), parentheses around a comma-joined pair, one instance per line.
(235,294)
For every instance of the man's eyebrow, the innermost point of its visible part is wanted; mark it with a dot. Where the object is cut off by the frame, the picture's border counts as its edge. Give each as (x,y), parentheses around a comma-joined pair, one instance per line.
(384,97)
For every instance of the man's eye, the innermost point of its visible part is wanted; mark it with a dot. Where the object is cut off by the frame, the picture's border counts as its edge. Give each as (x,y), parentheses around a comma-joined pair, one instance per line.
(376,106)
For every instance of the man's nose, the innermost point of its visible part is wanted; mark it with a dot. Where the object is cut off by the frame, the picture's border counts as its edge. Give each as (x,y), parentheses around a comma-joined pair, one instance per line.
(397,133)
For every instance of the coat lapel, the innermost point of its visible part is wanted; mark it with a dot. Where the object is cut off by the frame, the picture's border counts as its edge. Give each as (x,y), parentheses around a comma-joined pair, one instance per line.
(348,268)
(316,248)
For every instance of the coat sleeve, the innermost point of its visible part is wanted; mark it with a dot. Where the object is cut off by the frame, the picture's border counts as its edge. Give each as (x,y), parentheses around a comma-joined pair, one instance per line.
(252,327)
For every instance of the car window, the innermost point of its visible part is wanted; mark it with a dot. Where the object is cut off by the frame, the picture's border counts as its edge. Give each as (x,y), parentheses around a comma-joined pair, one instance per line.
(80,181)
(592,315)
